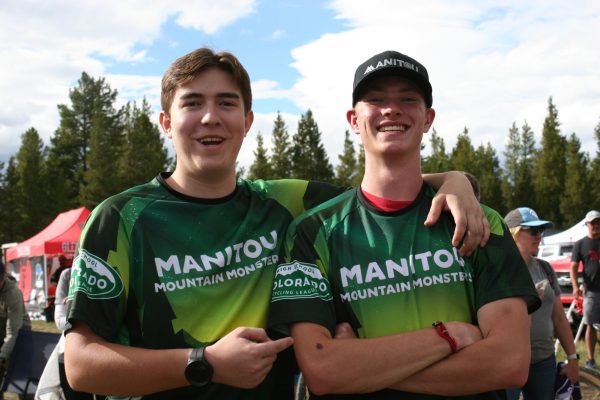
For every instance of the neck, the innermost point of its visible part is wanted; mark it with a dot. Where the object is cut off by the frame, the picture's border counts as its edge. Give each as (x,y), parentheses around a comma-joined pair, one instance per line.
(392,179)
(526,257)
(211,186)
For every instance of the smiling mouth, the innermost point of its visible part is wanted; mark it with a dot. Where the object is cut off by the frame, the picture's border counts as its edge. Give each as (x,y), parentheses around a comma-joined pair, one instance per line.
(394,128)
(211,141)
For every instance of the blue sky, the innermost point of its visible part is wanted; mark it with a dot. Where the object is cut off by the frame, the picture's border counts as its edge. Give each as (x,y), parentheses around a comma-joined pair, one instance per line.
(491,63)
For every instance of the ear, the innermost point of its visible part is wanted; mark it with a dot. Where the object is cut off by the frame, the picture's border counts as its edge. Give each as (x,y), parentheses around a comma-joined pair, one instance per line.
(248,122)
(165,123)
(352,120)
(429,117)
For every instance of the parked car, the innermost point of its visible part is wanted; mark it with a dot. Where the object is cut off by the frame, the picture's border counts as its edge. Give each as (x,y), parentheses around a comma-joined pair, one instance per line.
(562,267)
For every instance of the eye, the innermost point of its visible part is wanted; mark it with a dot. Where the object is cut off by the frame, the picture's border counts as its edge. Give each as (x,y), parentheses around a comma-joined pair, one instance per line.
(227,103)
(191,103)
(373,99)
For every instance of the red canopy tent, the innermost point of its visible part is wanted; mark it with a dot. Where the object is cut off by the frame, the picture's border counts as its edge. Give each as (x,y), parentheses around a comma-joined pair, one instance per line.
(32,261)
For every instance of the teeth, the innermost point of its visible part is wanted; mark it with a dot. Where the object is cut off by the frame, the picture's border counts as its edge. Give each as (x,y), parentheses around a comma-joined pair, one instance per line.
(401,128)
(211,140)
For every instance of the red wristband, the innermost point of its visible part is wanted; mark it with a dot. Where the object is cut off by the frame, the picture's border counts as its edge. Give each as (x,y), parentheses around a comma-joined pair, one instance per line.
(441,330)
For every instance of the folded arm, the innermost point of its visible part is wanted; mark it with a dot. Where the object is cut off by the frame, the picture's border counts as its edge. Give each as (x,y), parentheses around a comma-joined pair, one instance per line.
(498,361)
(350,365)
(242,358)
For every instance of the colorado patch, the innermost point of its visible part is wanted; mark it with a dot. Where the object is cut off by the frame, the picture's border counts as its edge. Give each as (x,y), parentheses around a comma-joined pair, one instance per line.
(94,277)
(298,280)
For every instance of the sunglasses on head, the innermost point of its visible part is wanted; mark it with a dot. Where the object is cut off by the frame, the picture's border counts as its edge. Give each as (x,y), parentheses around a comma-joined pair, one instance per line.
(533,230)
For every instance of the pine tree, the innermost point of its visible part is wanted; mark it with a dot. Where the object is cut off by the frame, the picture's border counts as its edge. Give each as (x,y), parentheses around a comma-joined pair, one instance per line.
(574,197)
(31,185)
(309,158)
(594,177)
(527,159)
(101,178)
(360,167)
(549,176)
(70,145)
(488,172)
(462,157)
(438,160)
(517,174)
(281,153)
(346,169)
(10,221)
(144,154)
(260,168)
(511,165)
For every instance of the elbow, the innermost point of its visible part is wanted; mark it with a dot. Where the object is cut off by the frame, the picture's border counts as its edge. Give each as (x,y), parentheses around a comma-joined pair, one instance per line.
(320,381)
(317,382)
(75,376)
(76,371)
(515,372)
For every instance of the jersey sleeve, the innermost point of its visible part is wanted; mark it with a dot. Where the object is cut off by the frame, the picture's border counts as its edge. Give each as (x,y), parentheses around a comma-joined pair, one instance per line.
(500,271)
(298,195)
(99,275)
(301,288)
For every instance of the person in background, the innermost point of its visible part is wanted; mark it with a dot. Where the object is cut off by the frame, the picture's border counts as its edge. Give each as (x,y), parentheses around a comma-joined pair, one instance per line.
(12,308)
(53,384)
(63,264)
(587,251)
(61,302)
(549,320)
(186,261)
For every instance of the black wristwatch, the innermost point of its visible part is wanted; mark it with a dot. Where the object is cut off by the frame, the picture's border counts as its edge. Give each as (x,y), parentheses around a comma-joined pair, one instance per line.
(198,371)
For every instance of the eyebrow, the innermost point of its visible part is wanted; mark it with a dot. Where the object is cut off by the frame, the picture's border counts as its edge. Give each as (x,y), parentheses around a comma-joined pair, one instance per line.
(195,95)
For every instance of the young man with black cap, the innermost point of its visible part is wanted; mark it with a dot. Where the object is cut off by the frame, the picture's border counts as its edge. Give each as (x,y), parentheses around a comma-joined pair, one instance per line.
(365,258)
(171,284)
(587,251)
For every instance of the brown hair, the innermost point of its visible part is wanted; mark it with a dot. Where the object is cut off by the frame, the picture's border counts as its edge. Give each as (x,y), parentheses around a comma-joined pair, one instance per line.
(188,67)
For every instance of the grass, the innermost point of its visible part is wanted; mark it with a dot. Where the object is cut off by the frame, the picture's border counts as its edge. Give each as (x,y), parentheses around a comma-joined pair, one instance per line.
(43,326)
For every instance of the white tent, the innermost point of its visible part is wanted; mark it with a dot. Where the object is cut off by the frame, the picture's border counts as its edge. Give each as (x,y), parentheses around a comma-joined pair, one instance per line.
(570,235)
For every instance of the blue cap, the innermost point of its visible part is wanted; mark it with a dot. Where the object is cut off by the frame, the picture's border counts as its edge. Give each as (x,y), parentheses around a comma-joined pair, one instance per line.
(524,216)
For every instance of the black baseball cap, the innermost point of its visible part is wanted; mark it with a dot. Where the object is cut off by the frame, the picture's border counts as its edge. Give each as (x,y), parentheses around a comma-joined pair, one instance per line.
(392,63)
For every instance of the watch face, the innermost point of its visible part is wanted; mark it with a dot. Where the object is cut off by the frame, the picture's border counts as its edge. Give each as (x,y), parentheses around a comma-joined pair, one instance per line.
(198,371)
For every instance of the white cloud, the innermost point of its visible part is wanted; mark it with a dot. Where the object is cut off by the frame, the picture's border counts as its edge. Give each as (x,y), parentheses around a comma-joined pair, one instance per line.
(490,63)
(46,46)
(277,34)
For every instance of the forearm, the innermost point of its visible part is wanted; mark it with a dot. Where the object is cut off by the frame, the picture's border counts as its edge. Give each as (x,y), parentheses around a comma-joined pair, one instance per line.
(96,366)
(437,179)
(573,273)
(498,361)
(363,365)
(60,316)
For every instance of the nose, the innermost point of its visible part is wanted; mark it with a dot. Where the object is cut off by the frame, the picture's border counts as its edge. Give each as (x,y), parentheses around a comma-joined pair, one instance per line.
(211,116)
(392,107)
